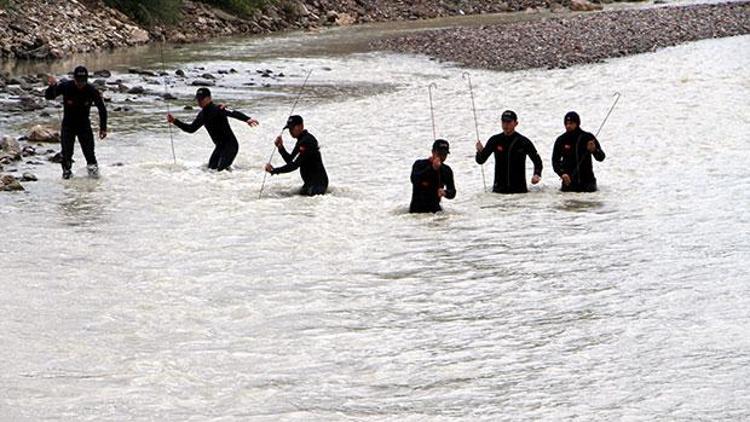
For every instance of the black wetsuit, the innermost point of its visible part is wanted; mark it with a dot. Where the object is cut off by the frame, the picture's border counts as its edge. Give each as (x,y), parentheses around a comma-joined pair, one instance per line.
(217,125)
(571,156)
(306,157)
(510,161)
(76,121)
(425,184)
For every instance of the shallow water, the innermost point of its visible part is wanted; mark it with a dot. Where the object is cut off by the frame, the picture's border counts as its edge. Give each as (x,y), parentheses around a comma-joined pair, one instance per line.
(167,292)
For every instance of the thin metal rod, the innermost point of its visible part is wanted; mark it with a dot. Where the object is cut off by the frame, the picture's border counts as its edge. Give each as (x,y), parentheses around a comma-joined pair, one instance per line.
(294,107)
(467,76)
(432,109)
(166,99)
(617,98)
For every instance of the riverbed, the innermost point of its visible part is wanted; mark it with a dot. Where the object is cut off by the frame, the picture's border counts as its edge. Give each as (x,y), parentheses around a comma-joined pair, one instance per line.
(163,291)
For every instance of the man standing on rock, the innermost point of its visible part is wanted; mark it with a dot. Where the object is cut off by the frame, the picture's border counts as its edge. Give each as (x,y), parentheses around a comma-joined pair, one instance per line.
(510,149)
(432,180)
(571,156)
(78,96)
(215,119)
(305,156)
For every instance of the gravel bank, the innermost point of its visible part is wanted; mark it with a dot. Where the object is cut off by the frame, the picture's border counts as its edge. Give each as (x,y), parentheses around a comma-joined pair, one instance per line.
(565,41)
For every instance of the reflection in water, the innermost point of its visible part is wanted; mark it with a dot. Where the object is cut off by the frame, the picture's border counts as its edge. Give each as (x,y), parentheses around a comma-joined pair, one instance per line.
(580,204)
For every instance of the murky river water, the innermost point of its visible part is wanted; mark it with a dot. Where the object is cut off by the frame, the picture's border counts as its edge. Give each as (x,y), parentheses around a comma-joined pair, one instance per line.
(165,292)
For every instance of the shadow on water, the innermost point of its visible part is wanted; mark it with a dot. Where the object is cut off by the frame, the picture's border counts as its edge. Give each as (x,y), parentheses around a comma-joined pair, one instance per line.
(81,207)
(580,205)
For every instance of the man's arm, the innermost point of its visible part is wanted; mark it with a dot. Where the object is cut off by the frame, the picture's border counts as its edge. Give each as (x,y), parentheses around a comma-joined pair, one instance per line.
(535,158)
(450,187)
(598,153)
(99,102)
(192,127)
(53,90)
(556,158)
(484,154)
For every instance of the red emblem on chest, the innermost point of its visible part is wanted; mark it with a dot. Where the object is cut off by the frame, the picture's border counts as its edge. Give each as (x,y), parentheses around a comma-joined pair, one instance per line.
(568,146)
(500,148)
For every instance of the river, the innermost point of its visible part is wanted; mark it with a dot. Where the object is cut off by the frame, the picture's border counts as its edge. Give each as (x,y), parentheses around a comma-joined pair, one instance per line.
(165,292)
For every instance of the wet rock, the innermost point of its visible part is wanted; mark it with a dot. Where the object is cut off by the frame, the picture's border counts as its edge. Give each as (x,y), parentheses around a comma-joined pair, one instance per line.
(187,108)
(142,72)
(56,158)
(10,148)
(8,183)
(180,73)
(208,76)
(29,177)
(583,6)
(123,109)
(43,134)
(202,82)
(28,151)
(45,114)
(136,90)
(106,74)
(168,96)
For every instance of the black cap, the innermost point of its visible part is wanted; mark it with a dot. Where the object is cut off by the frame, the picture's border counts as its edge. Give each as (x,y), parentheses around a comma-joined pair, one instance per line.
(572,116)
(509,116)
(293,121)
(441,145)
(80,73)
(202,93)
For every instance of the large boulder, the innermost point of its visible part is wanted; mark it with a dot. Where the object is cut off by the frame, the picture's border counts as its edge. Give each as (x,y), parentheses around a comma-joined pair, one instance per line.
(40,133)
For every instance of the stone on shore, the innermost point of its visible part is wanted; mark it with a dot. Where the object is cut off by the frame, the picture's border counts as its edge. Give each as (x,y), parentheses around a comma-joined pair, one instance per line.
(42,134)
(8,183)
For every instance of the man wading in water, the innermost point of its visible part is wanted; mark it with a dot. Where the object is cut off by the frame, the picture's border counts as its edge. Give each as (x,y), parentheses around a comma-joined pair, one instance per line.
(571,156)
(510,149)
(432,180)
(78,96)
(305,156)
(217,125)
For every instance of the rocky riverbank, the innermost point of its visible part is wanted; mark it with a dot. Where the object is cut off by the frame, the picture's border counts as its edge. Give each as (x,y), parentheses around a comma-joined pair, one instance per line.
(37,142)
(565,41)
(52,29)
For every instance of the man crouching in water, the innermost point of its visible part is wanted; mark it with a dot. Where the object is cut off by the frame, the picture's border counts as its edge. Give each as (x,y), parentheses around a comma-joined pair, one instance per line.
(432,180)
(305,156)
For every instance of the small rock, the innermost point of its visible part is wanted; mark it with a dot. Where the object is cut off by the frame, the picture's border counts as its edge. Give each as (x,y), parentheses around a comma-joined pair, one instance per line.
(29,177)
(106,74)
(203,82)
(9,183)
(136,90)
(208,76)
(180,73)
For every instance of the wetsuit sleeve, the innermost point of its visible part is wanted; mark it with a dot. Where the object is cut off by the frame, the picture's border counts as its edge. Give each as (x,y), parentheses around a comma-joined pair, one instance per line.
(535,158)
(236,114)
(288,158)
(489,148)
(99,102)
(293,164)
(556,158)
(599,153)
(199,121)
(450,186)
(419,170)
(53,91)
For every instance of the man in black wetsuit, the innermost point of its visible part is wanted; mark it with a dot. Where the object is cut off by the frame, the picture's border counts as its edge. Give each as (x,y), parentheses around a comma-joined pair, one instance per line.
(217,124)
(78,97)
(571,156)
(305,156)
(432,180)
(510,149)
